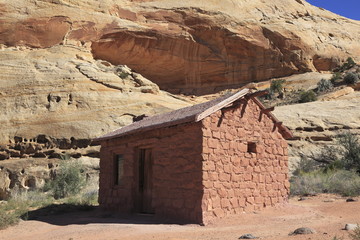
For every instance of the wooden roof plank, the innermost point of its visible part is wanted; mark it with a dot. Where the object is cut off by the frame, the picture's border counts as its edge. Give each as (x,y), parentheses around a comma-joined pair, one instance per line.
(221,104)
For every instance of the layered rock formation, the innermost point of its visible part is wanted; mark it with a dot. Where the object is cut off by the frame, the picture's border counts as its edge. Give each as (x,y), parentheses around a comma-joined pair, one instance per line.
(316,124)
(63,74)
(63,92)
(190,46)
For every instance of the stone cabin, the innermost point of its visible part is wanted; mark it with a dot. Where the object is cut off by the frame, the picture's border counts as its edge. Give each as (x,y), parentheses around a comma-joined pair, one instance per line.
(197,163)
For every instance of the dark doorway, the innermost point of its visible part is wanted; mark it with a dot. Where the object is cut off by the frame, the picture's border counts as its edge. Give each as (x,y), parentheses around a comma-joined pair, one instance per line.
(145,181)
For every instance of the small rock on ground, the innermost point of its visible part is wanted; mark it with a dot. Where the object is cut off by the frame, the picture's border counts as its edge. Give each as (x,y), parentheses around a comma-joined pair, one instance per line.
(303,230)
(350,226)
(351,200)
(248,236)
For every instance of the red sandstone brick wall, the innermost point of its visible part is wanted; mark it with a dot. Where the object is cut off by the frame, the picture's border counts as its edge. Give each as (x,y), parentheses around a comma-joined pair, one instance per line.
(235,180)
(177,173)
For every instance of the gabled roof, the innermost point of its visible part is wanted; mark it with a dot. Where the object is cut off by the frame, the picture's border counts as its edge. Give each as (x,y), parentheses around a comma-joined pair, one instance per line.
(193,113)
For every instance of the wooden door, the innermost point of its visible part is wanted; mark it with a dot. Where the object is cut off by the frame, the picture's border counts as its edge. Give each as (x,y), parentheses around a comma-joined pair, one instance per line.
(145,181)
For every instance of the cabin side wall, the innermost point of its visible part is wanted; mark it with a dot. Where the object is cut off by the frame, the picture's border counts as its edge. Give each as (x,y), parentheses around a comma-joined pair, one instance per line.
(245,162)
(176,172)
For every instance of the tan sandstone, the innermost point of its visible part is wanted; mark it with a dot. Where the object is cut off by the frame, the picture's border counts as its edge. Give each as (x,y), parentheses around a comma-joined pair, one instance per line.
(63,92)
(191,46)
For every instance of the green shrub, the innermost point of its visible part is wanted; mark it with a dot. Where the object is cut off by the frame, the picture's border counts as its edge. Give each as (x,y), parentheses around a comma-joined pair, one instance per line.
(349,63)
(351,78)
(69,179)
(324,85)
(350,151)
(277,86)
(335,170)
(346,65)
(8,218)
(123,75)
(335,77)
(307,96)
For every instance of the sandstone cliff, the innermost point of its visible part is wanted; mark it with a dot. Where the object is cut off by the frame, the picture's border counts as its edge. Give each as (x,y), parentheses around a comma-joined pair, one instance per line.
(190,46)
(63,92)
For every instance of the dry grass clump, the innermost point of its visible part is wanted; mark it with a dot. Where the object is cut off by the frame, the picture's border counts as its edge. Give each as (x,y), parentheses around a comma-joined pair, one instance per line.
(335,170)
(355,235)
(68,191)
(343,182)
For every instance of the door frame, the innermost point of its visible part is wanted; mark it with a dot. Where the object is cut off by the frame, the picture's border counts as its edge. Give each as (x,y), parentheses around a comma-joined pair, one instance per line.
(141,174)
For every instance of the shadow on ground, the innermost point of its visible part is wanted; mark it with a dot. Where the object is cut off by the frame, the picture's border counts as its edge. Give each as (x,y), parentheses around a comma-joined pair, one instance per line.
(67,214)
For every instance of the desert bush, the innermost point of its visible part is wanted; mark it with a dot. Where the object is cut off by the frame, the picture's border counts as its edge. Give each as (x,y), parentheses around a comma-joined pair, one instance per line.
(69,179)
(324,85)
(328,154)
(350,151)
(346,183)
(346,65)
(69,182)
(335,170)
(88,196)
(306,165)
(355,235)
(335,77)
(18,205)
(351,78)
(277,86)
(123,75)
(307,96)
(344,155)
(8,219)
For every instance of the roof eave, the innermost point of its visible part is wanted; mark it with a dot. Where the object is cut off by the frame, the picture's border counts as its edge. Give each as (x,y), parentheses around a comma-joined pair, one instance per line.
(152,127)
(221,104)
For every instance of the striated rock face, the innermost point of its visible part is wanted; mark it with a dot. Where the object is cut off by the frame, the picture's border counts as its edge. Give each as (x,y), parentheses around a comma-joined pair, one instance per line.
(64,93)
(316,124)
(190,46)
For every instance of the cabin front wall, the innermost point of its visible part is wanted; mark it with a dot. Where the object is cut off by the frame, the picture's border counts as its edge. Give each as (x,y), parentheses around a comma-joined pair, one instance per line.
(245,163)
(176,174)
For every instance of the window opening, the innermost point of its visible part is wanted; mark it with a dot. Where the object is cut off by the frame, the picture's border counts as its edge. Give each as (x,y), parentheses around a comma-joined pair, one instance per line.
(251,147)
(119,169)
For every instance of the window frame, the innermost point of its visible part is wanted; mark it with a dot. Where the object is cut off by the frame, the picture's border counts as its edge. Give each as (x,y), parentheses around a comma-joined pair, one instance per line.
(119,162)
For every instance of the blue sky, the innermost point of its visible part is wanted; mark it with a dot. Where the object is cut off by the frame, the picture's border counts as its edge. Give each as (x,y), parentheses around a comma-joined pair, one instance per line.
(346,8)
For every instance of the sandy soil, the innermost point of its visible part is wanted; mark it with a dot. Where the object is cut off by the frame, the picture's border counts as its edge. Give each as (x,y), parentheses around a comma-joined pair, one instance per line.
(327,214)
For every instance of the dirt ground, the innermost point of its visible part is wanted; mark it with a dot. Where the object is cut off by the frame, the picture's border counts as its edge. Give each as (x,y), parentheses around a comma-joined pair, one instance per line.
(327,214)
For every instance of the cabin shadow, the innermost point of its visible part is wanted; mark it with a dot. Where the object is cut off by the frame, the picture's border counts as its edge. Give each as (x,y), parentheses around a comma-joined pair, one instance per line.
(69,214)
